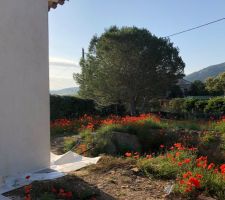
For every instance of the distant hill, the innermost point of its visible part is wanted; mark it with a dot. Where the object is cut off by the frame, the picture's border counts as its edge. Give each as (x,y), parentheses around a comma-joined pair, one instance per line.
(65,92)
(207,72)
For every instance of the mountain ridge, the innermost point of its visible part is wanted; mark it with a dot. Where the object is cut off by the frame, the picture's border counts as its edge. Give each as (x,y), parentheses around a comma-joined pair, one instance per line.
(203,74)
(71,91)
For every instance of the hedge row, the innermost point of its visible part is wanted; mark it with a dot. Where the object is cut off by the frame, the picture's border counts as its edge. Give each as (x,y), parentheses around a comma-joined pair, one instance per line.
(72,107)
(213,107)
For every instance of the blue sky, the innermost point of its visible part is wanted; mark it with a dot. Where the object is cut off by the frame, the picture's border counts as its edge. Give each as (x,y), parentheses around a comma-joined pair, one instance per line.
(72,26)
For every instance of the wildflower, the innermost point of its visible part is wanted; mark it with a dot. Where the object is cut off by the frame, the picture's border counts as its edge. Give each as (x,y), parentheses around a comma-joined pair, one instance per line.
(199,176)
(162,146)
(171,148)
(128,154)
(177,145)
(187,160)
(222,168)
(186,175)
(180,164)
(182,182)
(177,154)
(210,166)
(193,149)
(27,177)
(148,156)
(195,182)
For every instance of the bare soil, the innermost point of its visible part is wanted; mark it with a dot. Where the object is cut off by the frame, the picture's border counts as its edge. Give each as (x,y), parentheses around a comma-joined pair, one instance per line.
(111,179)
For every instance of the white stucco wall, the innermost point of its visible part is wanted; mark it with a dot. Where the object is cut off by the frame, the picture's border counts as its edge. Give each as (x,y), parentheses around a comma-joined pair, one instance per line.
(24,86)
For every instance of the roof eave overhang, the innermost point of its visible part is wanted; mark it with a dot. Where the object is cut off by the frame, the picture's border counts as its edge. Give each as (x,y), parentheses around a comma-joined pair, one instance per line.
(54,3)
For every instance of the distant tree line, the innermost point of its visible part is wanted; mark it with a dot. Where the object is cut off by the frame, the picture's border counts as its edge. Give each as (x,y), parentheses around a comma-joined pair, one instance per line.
(211,87)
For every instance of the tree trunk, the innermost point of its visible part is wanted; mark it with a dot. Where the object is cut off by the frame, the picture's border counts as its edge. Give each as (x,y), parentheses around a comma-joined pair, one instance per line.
(132,106)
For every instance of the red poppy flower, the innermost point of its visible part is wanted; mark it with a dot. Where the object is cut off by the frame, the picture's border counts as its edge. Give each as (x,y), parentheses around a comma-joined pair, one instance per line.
(195,182)
(128,154)
(210,166)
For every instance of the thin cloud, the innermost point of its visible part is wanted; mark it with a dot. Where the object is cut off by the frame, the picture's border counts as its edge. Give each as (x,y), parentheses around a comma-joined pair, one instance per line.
(63,62)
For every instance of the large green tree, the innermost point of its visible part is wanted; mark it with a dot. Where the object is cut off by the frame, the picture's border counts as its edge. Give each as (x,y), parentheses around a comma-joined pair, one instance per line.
(216,84)
(128,65)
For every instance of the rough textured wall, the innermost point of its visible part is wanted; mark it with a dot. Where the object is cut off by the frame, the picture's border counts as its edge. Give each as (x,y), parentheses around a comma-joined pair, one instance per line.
(24,86)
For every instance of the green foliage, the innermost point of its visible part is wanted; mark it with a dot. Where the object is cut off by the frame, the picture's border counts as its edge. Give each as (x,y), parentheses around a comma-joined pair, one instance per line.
(162,167)
(69,144)
(127,65)
(173,165)
(198,88)
(158,167)
(188,125)
(70,107)
(216,84)
(213,145)
(216,105)
(64,130)
(147,134)
(175,92)
(47,196)
(176,105)
(197,108)
(219,126)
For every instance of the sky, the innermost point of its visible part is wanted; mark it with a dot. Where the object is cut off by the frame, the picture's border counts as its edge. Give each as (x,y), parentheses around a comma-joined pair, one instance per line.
(72,26)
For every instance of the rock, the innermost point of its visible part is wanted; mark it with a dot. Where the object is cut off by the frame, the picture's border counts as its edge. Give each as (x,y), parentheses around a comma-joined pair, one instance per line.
(125,141)
(135,169)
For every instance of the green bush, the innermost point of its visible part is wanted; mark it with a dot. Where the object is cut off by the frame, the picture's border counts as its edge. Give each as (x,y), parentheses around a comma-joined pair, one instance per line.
(70,107)
(69,144)
(150,136)
(216,106)
(176,105)
(162,167)
(185,166)
(197,108)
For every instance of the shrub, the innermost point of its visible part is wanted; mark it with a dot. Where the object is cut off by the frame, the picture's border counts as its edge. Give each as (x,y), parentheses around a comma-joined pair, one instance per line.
(176,105)
(70,107)
(69,144)
(216,106)
(166,166)
(193,174)
(198,108)
(189,105)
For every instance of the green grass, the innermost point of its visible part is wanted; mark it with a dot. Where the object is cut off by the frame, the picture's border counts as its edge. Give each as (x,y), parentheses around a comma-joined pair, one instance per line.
(69,144)
(164,167)
(189,125)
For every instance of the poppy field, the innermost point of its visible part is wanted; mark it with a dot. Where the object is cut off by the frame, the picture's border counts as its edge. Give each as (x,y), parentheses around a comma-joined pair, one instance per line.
(190,155)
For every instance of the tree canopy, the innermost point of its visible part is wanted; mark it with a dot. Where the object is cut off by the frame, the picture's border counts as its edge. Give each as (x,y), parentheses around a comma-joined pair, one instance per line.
(198,88)
(216,84)
(128,65)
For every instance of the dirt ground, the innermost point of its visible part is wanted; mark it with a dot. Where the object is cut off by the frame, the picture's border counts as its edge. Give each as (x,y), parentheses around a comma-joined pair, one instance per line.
(122,181)
(111,179)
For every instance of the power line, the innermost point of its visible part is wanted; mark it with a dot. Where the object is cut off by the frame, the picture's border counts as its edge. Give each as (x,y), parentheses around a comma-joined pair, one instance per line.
(197,27)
